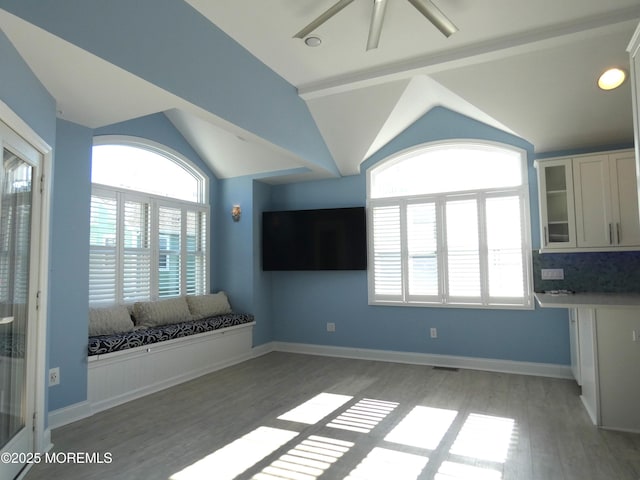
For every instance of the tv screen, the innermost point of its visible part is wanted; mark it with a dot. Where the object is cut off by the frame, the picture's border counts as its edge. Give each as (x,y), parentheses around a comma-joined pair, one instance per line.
(325,239)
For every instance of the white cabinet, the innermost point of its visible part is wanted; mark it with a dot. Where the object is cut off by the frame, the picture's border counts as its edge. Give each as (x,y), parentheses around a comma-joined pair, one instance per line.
(609,352)
(557,220)
(589,362)
(606,200)
(634,63)
(589,202)
(574,338)
(619,368)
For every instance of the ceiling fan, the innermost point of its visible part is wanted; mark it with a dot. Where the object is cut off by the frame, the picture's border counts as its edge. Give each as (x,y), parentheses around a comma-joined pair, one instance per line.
(426,7)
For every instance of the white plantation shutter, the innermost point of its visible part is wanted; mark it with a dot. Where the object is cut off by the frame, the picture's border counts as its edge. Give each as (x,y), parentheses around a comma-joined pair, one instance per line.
(136,261)
(458,248)
(422,250)
(170,230)
(196,245)
(141,250)
(103,276)
(387,257)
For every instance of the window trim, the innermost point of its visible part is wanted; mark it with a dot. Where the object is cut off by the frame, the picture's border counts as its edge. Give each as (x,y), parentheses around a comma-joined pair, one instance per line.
(406,299)
(165,151)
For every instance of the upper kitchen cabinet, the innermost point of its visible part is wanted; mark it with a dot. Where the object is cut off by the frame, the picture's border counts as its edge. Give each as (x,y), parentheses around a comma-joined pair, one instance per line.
(606,200)
(601,201)
(557,217)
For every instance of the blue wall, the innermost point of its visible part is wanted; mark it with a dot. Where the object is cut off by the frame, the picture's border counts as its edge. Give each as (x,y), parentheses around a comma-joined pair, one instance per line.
(303,302)
(237,251)
(21,90)
(69,274)
(225,79)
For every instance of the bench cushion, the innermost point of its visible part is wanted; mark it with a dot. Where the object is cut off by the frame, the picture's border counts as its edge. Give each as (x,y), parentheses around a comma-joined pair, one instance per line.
(102,344)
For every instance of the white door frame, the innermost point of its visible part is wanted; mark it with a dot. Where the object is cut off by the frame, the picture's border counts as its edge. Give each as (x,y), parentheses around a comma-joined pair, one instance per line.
(42,436)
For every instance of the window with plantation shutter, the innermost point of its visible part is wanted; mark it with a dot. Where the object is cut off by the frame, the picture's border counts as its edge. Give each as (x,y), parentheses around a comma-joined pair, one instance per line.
(449,226)
(387,257)
(136,251)
(102,249)
(145,246)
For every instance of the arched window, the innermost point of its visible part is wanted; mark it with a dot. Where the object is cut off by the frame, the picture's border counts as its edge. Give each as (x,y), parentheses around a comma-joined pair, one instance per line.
(149,223)
(449,226)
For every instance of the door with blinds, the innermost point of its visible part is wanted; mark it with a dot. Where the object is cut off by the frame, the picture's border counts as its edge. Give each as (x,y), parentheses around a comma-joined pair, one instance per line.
(19,265)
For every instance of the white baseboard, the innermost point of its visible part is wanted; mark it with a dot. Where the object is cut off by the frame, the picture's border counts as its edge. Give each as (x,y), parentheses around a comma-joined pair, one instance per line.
(471,363)
(69,414)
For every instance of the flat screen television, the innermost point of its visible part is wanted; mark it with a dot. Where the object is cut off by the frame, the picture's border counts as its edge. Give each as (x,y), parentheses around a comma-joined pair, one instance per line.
(324,239)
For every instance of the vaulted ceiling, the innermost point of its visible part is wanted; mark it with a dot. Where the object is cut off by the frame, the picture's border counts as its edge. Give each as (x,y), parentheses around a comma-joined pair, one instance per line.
(528,68)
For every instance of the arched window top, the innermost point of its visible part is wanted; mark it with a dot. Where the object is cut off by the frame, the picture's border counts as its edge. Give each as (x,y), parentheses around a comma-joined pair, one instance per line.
(448,167)
(145,166)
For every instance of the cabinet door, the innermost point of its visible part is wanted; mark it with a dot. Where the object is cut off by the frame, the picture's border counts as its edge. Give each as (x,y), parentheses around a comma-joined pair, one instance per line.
(618,360)
(574,338)
(589,363)
(624,201)
(557,214)
(594,218)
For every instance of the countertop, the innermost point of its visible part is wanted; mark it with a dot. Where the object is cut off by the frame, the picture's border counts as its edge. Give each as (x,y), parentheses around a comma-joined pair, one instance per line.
(588,300)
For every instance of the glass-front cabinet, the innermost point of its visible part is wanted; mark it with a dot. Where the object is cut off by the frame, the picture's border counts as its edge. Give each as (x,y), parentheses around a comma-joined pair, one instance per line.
(557,212)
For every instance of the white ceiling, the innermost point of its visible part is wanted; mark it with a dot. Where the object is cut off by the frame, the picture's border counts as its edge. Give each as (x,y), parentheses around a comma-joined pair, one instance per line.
(526,67)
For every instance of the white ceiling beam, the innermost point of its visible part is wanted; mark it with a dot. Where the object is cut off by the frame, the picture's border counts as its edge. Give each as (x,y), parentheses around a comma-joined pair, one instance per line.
(481,52)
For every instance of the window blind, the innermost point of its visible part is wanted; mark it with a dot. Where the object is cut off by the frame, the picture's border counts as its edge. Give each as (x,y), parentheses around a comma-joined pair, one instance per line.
(102,249)
(143,248)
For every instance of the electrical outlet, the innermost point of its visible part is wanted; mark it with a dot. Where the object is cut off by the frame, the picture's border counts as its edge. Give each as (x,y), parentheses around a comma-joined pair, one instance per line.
(552,273)
(54,376)
(331,327)
(434,332)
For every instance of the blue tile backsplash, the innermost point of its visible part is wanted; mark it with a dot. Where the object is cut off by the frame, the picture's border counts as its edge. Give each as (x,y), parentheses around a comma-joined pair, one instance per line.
(606,272)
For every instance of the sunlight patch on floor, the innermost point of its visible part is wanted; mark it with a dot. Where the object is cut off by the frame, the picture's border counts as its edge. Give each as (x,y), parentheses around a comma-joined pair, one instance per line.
(458,471)
(363,416)
(484,437)
(307,460)
(385,464)
(239,455)
(422,427)
(315,409)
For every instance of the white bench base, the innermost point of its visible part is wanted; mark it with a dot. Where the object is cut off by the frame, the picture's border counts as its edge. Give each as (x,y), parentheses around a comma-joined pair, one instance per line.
(118,377)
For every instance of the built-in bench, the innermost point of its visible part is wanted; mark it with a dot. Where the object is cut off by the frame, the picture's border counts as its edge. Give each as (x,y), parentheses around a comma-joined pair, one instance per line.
(138,350)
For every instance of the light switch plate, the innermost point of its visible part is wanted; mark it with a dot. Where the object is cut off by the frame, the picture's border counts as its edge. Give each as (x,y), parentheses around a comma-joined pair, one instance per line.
(552,274)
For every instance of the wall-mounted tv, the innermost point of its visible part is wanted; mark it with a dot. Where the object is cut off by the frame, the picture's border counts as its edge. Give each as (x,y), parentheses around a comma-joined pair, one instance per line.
(324,239)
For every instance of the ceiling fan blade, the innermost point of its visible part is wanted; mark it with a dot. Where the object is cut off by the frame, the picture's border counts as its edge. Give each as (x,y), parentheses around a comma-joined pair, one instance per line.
(379,7)
(435,16)
(322,18)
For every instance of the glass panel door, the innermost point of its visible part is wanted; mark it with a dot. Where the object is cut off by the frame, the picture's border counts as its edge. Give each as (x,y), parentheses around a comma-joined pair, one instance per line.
(15,251)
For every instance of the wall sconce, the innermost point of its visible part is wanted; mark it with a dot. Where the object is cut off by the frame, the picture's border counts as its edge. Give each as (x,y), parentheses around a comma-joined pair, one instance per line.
(236,211)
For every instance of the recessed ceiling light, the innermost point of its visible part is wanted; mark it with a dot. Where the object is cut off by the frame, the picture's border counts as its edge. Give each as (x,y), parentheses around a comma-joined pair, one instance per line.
(312,41)
(611,78)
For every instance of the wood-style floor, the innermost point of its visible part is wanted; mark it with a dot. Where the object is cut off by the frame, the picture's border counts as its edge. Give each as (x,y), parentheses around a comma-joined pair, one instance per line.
(459,425)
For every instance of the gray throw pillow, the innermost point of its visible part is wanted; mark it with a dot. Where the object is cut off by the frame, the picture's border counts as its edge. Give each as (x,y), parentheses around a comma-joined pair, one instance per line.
(202,306)
(162,312)
(106,321)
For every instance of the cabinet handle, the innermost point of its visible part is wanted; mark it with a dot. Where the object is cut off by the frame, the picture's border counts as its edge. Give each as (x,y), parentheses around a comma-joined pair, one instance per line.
(546,237)
(610,235)
(618,232)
